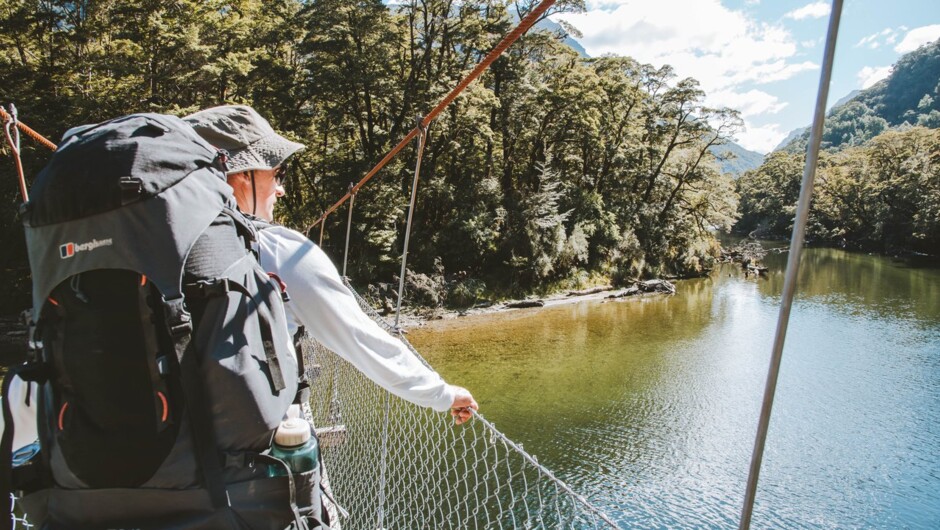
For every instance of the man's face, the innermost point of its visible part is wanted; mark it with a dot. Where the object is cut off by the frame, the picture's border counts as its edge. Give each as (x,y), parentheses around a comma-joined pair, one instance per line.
(267,189)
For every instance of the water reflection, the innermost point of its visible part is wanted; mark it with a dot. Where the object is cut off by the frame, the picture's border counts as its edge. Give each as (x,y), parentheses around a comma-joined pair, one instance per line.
(649,407)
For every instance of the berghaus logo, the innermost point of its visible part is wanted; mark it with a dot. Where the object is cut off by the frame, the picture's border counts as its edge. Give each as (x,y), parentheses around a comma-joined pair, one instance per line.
(67,250)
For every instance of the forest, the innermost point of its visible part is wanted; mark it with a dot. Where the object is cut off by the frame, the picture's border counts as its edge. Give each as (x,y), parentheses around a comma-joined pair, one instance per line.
(551,170)
(878,182)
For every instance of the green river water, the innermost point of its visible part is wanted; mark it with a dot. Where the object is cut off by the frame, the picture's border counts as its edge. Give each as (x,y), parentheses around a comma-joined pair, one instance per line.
(649,407)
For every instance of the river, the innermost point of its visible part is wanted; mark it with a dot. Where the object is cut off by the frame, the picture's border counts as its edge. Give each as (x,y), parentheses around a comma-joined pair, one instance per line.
(649,407)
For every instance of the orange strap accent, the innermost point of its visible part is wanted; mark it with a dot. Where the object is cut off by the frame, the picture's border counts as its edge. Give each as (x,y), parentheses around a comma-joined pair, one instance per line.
(52,301)
(62,414)
(166,407)
(143,279)
(523,26)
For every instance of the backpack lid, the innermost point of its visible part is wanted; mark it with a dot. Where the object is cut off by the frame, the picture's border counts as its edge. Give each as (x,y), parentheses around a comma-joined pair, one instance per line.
(104,166)
(131,193)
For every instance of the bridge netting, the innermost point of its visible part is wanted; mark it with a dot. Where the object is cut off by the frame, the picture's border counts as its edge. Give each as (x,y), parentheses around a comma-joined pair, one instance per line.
(394,465)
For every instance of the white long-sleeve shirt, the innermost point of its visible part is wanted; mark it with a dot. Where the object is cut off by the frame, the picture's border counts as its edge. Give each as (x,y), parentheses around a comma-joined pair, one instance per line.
(330,313)
(24,416)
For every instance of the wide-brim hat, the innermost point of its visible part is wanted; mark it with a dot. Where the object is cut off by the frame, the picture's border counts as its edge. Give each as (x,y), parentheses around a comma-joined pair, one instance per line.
(248,138)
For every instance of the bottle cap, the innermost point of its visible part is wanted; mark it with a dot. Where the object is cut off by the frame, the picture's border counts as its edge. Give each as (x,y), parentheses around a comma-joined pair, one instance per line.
(292,432)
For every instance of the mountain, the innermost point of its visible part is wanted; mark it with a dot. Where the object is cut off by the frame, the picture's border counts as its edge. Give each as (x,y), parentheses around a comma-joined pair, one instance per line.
(555,27)
(734,159)
(910,95)
(845,99)
(796,133)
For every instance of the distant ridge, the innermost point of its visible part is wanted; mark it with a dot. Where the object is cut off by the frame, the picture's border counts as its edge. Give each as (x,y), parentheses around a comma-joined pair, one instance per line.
(734,159)
(796,133)
(907,97)
(554,27)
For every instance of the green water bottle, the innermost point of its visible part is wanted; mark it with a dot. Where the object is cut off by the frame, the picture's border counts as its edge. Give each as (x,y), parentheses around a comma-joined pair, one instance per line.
(295,444)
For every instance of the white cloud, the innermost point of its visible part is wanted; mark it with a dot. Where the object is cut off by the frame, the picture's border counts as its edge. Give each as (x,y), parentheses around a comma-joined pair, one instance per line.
(703,39)
(728,51)
(917,37)
(761,139)
(776,71)
(869,75)
(873,41)
(750,103)
(814,10)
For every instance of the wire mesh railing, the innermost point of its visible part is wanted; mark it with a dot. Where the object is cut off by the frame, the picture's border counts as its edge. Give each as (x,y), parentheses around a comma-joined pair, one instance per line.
(392,464)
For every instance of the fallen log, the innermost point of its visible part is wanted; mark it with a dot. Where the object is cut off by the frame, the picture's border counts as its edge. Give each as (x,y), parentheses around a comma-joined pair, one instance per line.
(592,290)
(632,291)
(658,286)
(523,304)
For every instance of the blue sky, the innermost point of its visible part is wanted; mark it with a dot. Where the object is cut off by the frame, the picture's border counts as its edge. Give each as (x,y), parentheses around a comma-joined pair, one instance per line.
(761,57)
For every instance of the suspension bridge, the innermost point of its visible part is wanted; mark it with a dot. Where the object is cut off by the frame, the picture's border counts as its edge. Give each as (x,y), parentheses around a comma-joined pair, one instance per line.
(391,464)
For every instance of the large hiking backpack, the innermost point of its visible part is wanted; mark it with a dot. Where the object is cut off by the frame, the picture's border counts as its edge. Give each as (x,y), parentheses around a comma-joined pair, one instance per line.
(165,363)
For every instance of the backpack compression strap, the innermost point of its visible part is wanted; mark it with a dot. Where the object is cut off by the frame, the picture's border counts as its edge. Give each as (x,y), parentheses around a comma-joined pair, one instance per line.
(180,326)
(221,287)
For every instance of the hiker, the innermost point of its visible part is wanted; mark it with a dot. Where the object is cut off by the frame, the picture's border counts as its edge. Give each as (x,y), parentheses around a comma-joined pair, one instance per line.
(319,300)
(164,367)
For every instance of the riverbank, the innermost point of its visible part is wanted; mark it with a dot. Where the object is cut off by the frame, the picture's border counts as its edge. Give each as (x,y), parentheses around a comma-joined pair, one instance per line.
(422,316)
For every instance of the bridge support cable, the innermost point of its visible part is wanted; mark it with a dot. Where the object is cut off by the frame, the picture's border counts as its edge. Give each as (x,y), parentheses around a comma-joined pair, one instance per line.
(352,201)
(321,234)
(12,132)
(7,116)
(527,22)
(422,139)
(793,263)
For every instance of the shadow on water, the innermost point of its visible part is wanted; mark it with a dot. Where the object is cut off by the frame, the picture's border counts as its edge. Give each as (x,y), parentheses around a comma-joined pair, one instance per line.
(649,406)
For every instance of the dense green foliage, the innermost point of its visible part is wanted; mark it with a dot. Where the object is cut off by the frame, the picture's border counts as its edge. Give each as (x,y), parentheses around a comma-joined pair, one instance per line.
(552,168)
(878,182)
(883,195)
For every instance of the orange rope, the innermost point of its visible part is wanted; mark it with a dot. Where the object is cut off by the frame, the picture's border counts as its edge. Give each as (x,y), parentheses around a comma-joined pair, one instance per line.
(507,41)
(29,132)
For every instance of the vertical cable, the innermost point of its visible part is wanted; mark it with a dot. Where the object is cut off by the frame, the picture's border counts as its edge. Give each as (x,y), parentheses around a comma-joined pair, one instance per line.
(793,263)
(352,201)
(422,138)
(384,463)
(322,225)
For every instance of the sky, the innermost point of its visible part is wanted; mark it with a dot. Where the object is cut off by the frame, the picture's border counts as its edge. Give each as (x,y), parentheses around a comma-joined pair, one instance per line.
(761,57)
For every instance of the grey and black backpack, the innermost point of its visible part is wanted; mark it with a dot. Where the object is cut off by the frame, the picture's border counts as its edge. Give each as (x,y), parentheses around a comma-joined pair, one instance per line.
(165,363)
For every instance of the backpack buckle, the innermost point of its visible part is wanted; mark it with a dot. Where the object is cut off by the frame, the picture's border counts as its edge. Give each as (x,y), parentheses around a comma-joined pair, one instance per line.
(33,371)
(131,189)
(213,287)
(180,329)
(179,323)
